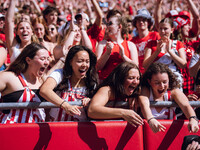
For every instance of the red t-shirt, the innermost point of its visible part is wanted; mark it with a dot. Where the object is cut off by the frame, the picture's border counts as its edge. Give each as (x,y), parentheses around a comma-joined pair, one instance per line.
(96,34)
(114,60)
(153,45)
(141,44)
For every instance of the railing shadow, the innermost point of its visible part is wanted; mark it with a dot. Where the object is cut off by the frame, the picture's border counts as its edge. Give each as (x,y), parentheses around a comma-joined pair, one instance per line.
(44,137)
(171,134)
(127,134)
(88,133)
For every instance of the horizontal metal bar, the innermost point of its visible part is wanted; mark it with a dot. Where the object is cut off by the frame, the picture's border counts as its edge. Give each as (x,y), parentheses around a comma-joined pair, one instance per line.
(33,105)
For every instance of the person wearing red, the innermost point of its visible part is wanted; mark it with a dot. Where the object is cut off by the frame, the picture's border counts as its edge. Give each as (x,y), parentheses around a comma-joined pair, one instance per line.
(116,49)
(96,31)
(143,21)
(21,82)
(165,50)
(186,33)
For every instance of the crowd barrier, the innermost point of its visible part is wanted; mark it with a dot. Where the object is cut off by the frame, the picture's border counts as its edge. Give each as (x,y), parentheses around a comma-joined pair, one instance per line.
(94,135)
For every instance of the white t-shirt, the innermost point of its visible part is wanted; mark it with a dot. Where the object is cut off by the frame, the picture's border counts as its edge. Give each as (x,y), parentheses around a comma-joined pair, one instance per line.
(57,75)
(194,60)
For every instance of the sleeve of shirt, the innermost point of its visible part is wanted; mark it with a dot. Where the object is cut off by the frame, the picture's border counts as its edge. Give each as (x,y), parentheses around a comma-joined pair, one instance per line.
(179,45)
(57,75)
(194,60)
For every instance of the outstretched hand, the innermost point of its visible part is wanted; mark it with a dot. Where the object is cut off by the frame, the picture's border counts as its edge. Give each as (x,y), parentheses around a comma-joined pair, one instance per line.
(71,109)
(132,117)
(156,126)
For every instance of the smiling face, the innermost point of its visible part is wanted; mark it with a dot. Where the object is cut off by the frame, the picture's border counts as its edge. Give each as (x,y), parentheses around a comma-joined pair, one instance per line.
(39,30)
(24,31)
(159,84)
(165,30)
(131,81)
(39,63)
(80,64)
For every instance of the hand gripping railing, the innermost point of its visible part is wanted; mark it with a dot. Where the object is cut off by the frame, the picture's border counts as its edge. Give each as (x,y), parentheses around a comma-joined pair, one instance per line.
(33,105)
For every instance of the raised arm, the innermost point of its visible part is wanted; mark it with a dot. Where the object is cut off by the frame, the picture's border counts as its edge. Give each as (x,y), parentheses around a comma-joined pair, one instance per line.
(36,6)
(98,110)
(85,38)
(9,25)
(61,50)
(195,14)
(98,12)
(102,58)
(157,13)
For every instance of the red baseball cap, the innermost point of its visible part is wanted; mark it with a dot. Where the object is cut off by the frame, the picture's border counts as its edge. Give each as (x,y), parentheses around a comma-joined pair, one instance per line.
(184,14)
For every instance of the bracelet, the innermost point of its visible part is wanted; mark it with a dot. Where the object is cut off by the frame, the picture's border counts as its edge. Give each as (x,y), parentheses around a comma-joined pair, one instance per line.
(194,117)
(150,119)
(62,103)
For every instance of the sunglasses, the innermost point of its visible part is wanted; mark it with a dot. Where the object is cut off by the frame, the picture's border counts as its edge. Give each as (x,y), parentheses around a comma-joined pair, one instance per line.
(51,29)
(109,23)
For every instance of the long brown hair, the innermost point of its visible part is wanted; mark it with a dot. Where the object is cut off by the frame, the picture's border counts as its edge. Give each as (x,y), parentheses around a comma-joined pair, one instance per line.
(20,65)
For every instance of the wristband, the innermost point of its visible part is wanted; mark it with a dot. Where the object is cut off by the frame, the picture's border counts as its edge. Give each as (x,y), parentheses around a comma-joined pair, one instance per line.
(150,119)
(194,117)
(62,103)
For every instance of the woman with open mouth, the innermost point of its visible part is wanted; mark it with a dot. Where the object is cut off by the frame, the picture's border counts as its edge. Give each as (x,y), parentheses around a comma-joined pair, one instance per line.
(75,82)
(24,33)
(160,84)
(21,82)
(121,85)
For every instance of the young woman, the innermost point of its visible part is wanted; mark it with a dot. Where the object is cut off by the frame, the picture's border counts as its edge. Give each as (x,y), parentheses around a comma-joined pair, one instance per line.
(53,33)
(21,82)
(75,82)
(165,50)
(42,34)
(74,35)
(116,49)
(121,85)
(24,33)
(160,84)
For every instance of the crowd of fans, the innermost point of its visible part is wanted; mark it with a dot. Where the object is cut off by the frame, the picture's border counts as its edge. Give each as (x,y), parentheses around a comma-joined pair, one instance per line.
(96,51)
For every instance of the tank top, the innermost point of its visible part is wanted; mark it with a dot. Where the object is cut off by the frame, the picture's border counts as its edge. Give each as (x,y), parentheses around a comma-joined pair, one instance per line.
(71,94)
(15,53)
(24,115)
(165,113)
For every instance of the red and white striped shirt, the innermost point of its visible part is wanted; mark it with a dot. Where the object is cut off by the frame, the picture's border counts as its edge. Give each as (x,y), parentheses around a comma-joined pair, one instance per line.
(24,115)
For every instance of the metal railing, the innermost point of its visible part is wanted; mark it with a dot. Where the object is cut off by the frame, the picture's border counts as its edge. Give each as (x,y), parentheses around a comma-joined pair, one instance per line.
(33,105)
